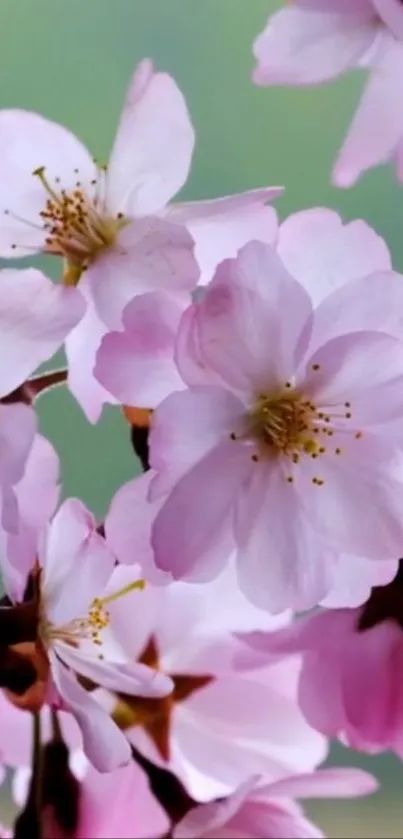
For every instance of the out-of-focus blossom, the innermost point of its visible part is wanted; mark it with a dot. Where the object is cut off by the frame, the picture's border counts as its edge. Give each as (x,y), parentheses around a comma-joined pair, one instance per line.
(314,41)
(269,812)
(113,221)
(350,684)
(78,801)
(222,721)
(75,635)
(282,442)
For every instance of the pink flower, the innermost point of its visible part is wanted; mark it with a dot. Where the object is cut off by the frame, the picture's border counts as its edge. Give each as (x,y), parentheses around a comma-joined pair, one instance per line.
(349,655)
(223,721)
(75,634)
(114,221)
(282,442)
(314,41)
(269,812)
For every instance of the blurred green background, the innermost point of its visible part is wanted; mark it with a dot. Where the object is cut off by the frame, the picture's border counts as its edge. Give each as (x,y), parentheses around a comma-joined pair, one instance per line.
(71,61)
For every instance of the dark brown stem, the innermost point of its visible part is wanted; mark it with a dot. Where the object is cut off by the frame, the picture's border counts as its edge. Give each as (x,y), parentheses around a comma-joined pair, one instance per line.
(39,385)
(29,824)
(166,787)
(17,673)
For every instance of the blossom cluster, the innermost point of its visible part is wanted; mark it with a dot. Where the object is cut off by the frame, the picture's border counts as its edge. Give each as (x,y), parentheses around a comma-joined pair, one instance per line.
(157,678)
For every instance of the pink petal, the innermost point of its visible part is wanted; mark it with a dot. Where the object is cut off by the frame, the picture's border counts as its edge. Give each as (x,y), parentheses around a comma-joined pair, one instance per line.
(120,804)
(324,783)
(210,817)
(365,145)
(76,563)
(300,47)
(323,254)
(251,319)
(375,657)
(185,427)
(152,153)
(367,303)
(104,744)
(221,226)
(128,527)
(187,534)
(364,369)
(133,679)
(28,142)
(152,254)
(391,12)
(282,563)
(17,430)
(359,505)
(135,616)
(354,577)
(37,495)
(81,347)
(137,366)
(35,317)
(188,357)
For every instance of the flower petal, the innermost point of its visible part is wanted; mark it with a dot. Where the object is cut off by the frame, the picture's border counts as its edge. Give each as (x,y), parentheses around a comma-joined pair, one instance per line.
(359,505)
(29,142)
(282,563)
(185,427)
(104,744)
(137,366)
(35,317)
(76,563)
(368,303)
(187,535)
(323,254)
(324,783)
(221,226)
(152,153)
(131,678)
(365,145)
(128,527)
(358,379)
(81,347)
(251,319)
(152,254)
(300,46)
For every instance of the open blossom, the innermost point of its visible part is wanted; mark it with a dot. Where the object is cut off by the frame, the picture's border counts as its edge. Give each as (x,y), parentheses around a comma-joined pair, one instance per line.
(137,364)
(350,683)
(269,812)
(280,445)
(75,635)
(313,41)
(222,721)
(114,222)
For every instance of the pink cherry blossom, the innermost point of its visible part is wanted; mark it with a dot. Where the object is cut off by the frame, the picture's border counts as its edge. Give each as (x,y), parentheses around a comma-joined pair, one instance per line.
(222,721)
(348,655)
(314,41)
(285,444)
(269,812)
(76,634)
(126,237)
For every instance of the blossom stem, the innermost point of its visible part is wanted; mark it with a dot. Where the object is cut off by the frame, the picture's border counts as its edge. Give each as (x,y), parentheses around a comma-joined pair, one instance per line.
(29,824)
(46,381)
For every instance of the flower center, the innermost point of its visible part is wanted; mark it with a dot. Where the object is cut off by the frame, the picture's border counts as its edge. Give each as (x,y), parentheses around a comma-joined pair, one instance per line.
(285,423)
(89,628)
(76,226)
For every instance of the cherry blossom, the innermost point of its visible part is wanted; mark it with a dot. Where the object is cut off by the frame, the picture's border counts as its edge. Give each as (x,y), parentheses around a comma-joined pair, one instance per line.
(75,635)
(347,653)
(274,442)
(314,41)
(222,721)
(269,812)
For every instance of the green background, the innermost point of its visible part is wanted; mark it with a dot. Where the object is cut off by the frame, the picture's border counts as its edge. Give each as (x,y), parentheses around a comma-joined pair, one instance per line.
(71,61)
